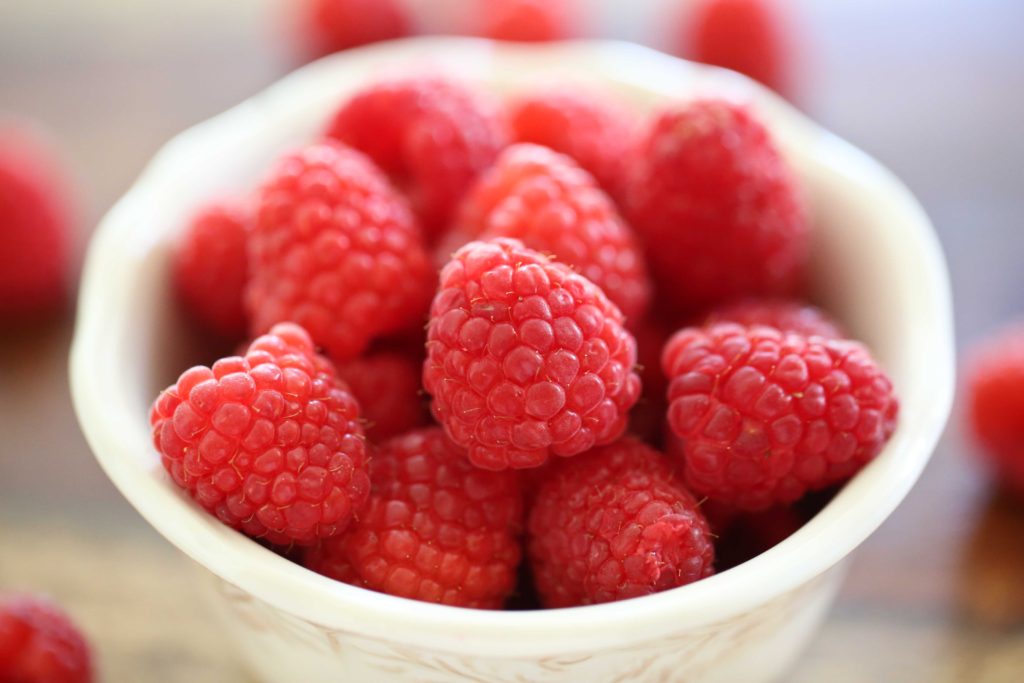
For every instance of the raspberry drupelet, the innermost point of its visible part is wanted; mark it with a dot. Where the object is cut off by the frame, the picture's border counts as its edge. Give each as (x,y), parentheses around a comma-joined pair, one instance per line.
(553,206)
(436,529)
(211,267)
(336,250)
(597,132)
(764,416)
(270,443)
(718,209)
(616,523)
(432,135)
(526,358)
(40,644)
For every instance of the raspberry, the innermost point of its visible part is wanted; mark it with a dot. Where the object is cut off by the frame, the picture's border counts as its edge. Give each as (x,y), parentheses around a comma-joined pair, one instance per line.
(764,416)
(336,250)
(433,136)
(211,268)
(35,225)
(526,358)
(783,314)
(596,132)
(40,644)
(718,208)
(270,443)
(743,35)
(995,390)
(553,206)
(613,525)
(752,533)
(436,529)
(387,386)
(333,25)
(527,21)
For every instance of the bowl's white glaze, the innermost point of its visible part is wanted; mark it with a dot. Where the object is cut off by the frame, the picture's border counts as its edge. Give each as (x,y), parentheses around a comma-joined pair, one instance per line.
(877,264)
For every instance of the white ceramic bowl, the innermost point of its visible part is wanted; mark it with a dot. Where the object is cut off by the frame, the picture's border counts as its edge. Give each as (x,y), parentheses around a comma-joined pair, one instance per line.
(877,264)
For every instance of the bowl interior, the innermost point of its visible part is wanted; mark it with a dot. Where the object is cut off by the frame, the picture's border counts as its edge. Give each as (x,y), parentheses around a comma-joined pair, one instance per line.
(876,264)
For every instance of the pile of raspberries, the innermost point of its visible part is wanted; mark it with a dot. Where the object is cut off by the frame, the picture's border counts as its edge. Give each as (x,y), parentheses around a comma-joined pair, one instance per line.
(544,349)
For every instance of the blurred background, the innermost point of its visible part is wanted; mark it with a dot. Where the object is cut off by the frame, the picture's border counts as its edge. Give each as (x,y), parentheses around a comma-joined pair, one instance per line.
(932,88)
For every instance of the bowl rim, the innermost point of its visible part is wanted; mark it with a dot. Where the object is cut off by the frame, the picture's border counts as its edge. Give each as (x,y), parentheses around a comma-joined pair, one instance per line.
(820,544)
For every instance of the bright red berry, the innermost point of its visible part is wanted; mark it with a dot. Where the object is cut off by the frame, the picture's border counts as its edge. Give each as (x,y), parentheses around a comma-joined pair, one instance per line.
(787,315)
(332,25)
(995,392)
(270,443)
(748,36)
(765,416)
(40,644)
(35,226)
(530,21)
(526,358)
(613,525)
(553,206)
(387,386)
(595,131)
(436,529)
(719,210)
(336,250)
(433,136)
(211,268)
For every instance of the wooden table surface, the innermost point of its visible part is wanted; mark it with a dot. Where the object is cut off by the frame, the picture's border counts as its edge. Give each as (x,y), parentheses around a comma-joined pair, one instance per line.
(934,89)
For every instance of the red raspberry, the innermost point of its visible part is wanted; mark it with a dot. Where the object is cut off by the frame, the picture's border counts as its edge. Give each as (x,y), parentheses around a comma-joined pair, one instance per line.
(336,250)
(995,390)
(783,314)
(34,227)
(433,136)
(748,36)
(751,533)
(437,529)
(766,416)
(717,206)
(531,21)
(594,131)
(615,524)
(40,644)
(387,386)
(553,206)
(270,443)
(211,268)
(526,358)
(332,25)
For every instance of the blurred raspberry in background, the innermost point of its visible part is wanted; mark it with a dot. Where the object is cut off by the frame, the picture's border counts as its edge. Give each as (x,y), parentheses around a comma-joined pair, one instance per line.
(35,226)
(749,36)
(995,397)
(526,20)
(40,644)
(754,37)
(331,25)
